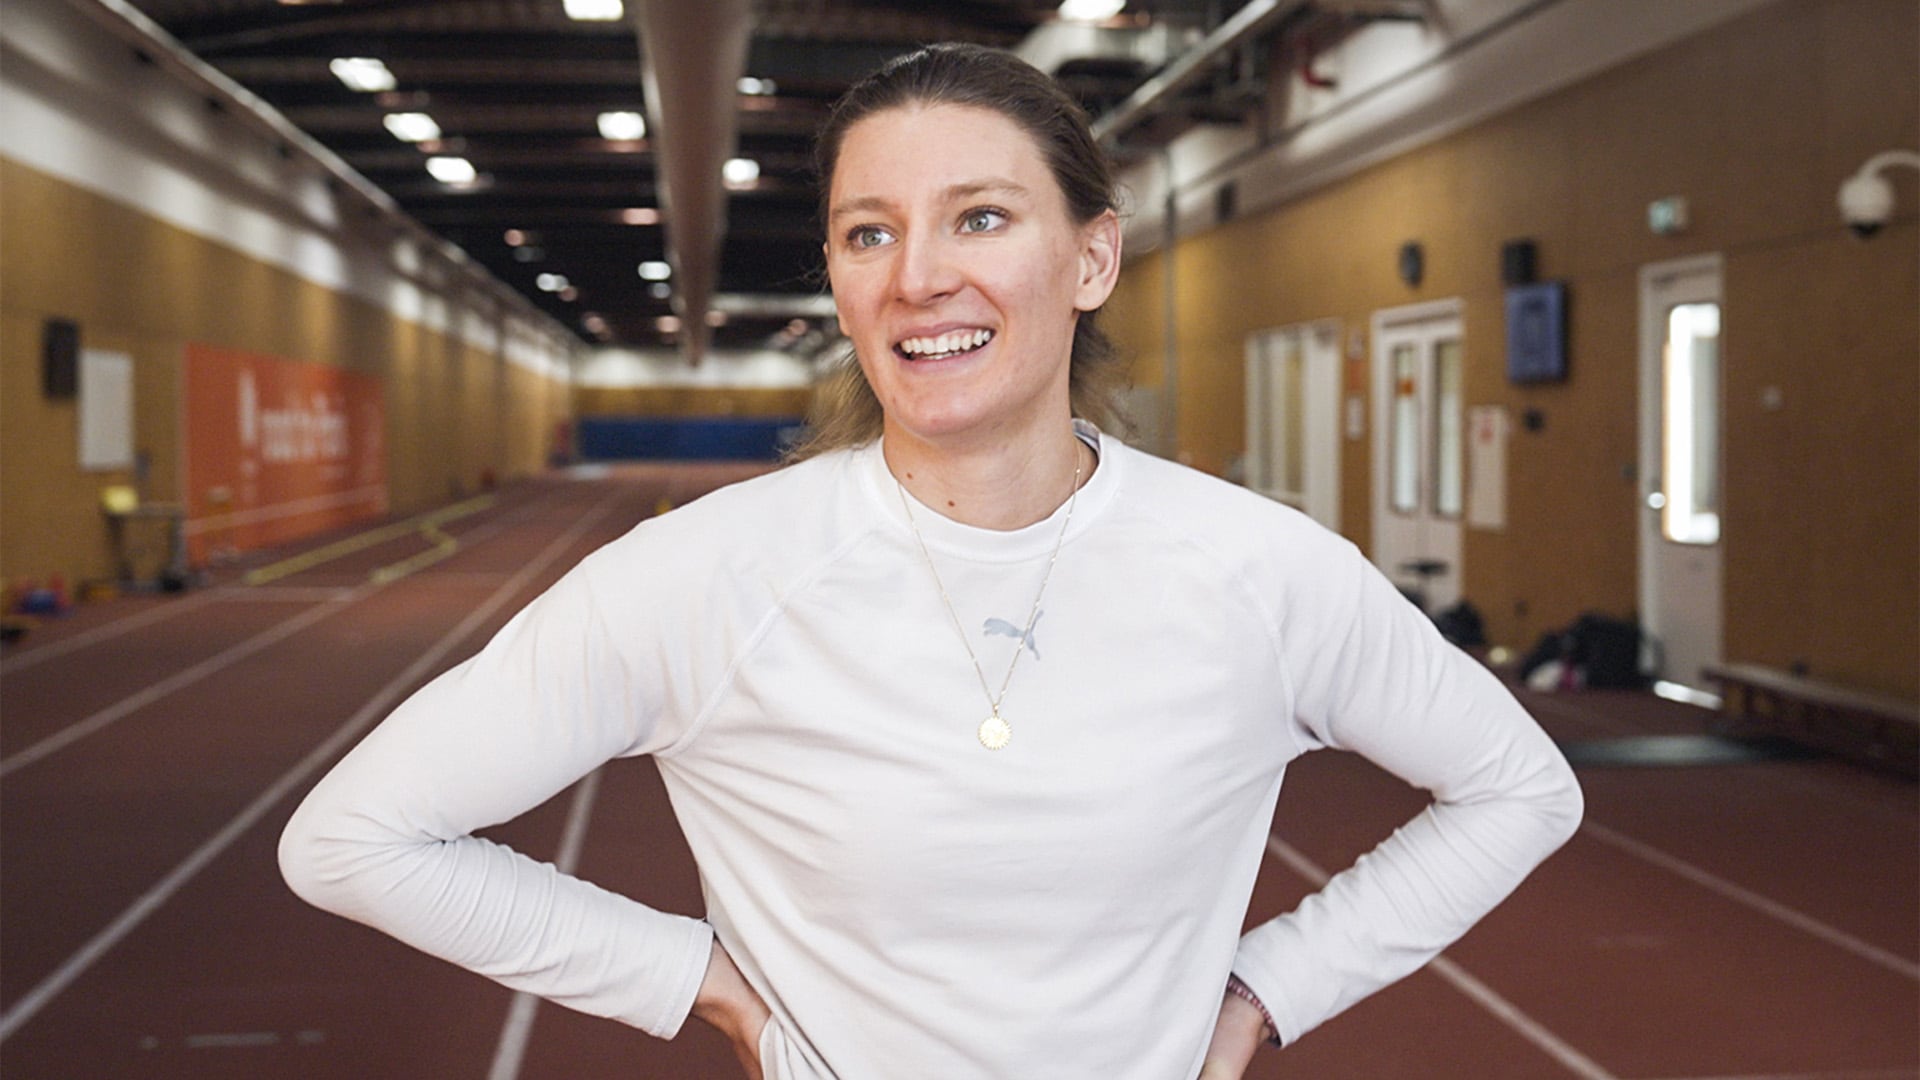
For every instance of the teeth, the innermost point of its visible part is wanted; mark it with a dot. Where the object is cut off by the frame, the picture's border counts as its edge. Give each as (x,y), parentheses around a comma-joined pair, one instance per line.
(950,342)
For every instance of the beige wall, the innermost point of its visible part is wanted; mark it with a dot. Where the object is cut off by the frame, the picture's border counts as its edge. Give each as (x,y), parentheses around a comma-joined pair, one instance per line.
(1755,123)
(456,413)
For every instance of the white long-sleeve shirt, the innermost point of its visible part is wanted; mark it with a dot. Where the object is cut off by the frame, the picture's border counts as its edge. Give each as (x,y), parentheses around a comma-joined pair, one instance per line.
(907,902)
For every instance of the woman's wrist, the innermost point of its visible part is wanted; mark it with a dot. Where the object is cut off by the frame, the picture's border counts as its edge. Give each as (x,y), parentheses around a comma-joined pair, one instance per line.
(1268,1032)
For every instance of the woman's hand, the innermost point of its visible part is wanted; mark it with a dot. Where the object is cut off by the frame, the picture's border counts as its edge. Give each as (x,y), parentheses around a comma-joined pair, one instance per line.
(1237,1033)
(729,1004)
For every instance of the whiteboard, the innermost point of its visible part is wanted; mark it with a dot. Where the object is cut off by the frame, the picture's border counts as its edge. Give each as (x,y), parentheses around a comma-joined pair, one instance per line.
(106,410)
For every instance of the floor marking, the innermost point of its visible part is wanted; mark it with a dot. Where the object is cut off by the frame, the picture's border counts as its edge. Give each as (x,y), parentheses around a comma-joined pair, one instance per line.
(1845,1074)
(104,632)
(335,599)
(230,1040)
(375,708)
(227,657)
(1873,954)
(280,594)
(1480,993)
(361,541)
(444,547)
(518,1029)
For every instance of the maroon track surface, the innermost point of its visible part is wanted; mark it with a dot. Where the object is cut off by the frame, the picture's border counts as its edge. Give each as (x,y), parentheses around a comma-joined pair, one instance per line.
(1732,921)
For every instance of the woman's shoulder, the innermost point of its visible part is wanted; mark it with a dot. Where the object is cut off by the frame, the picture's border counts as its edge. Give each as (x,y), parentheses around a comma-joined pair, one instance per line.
(1186,500)
(791,514)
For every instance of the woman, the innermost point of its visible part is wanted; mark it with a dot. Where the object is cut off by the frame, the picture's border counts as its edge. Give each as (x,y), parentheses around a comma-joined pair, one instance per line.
(978,757)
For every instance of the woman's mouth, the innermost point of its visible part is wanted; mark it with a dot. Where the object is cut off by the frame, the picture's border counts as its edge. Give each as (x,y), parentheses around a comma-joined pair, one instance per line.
(943,346)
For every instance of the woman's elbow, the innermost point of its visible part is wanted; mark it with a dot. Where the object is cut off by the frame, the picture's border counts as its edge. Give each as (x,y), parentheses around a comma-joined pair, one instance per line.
(311,858)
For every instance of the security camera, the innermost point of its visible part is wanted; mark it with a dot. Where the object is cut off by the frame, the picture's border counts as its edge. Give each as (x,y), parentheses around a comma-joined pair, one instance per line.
(1866,197)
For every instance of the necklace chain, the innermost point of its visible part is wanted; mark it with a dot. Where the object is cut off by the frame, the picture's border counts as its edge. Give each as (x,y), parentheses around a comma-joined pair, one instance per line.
(994,730)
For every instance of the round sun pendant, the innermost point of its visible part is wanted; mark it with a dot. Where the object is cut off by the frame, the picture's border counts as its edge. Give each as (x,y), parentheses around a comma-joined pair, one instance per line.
(994,732)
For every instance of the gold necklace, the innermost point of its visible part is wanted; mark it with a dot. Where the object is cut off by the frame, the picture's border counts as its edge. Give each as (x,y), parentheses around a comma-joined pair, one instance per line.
(994,731)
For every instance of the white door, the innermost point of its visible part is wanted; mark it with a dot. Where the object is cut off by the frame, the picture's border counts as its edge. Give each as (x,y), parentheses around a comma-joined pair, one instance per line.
(1680,474)
(1293,418)
(1419,448)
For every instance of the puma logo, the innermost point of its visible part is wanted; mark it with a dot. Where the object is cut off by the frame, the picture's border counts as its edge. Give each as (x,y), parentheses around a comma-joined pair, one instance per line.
(1006,629)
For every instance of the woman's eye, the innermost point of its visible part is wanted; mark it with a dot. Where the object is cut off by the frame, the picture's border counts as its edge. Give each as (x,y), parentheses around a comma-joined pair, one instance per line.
(866,236)
(982,220)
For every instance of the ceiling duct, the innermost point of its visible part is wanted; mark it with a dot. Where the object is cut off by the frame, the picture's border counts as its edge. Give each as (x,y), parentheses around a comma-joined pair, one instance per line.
(1054,45)
(1245,24)
(694,55)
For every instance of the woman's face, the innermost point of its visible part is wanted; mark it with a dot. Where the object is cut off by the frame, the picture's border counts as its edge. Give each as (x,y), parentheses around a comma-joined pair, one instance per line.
(958,272)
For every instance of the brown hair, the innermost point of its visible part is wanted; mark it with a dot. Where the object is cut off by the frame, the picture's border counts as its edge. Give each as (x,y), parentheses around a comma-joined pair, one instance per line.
(845,411)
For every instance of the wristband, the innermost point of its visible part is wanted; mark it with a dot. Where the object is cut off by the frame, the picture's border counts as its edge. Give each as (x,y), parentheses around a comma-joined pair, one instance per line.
(1245,993)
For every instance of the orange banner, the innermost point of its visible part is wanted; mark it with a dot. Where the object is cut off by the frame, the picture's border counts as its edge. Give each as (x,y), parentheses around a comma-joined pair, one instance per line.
(278,449)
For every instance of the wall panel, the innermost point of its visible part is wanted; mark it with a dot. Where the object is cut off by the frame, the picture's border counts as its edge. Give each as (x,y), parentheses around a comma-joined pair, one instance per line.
(1755,122)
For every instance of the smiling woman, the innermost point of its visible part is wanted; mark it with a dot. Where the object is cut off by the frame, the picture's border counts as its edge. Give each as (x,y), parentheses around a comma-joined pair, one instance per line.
(990,857)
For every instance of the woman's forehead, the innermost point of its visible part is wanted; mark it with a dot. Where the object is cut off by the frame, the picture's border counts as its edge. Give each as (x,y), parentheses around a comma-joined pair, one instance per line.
(948,149)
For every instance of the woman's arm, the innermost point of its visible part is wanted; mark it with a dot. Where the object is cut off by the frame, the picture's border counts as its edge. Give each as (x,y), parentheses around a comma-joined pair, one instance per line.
(1372,675)
(386,837)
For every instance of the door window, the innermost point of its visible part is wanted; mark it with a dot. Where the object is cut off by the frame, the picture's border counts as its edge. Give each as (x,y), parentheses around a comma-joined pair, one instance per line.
(1690,402)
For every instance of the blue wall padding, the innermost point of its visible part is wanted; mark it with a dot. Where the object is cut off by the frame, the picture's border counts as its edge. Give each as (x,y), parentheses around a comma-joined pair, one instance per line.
(689,438)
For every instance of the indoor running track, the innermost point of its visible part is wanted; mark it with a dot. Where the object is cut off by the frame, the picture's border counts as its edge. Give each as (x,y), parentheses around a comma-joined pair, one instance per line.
(1731,921)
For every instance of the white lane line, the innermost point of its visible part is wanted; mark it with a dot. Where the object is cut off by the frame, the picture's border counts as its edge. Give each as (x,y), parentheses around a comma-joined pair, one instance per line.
(104,632)
(227,657)
(1908,1073)
(376,707)
(518,1029)
(1873,954)
(334,600)
(1480,993)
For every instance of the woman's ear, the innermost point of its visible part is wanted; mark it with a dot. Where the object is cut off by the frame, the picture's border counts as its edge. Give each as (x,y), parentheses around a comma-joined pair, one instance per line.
(1099,261)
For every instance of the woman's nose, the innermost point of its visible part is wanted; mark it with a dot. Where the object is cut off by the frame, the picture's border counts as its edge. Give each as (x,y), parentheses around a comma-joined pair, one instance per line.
(926,270)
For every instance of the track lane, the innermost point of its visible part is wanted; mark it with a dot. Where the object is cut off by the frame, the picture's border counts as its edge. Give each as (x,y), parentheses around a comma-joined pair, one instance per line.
(157,811)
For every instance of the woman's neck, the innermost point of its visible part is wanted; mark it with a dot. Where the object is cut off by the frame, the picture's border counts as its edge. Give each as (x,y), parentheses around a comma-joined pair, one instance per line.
(1005,486)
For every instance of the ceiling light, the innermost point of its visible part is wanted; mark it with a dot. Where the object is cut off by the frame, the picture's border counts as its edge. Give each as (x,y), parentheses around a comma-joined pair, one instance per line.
(528,254)
(740,172)
(796,327)
(515,237)
(655,270)
(452,170)
(411,126)
(569,294)
(594,10)
(756,87)
(667,324)
(1091,10)
(622,125)
(716,317)
(640,215)
(659,290)
(551,282)
(362,73)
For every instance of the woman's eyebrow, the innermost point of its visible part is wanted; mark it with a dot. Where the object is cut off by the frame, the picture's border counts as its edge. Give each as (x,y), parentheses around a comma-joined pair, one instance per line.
(966,189)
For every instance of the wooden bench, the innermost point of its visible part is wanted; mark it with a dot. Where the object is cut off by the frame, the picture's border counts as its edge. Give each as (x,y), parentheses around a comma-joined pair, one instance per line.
(1877,728)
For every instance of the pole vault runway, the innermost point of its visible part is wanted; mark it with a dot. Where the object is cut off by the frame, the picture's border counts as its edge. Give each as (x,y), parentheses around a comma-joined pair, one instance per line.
(1714,922)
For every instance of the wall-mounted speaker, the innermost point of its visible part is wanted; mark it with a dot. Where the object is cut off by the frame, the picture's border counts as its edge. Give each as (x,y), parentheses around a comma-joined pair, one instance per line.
(1517,259)
(60,358)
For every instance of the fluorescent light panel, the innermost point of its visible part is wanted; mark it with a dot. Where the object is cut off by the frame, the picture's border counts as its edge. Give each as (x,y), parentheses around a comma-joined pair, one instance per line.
(1091,10)
(655,270)
(740,172)
(594,10)
(411,126)
(362,73)
(622,125)
(452,170)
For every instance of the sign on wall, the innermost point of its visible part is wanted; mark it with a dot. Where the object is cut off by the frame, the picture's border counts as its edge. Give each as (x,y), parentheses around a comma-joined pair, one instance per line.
(106,410)
(278,449)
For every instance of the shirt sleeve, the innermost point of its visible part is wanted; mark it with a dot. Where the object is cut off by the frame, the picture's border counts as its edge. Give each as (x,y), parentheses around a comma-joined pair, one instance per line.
(386,837)
(1372,675)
